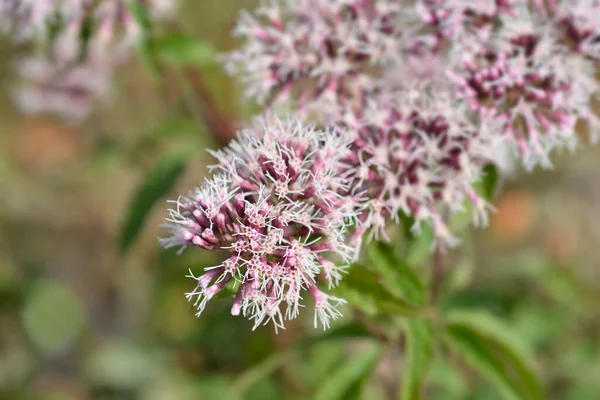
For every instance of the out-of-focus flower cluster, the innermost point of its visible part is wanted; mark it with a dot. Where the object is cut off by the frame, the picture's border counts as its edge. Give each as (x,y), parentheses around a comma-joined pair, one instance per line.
(275,206)
(522,71)
(529,65)
(317,53)
(77,45)
(414,153)
(419,96)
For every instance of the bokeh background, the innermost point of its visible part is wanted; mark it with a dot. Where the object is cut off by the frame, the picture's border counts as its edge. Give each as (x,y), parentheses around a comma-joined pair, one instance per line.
(81,320)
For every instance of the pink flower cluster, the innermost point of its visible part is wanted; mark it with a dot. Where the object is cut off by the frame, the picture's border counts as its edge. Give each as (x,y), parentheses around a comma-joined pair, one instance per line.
(530,65)
(525,70)
(316,52)
(418,154)
(418,97)
(68,77)
(34,19)
(274,204)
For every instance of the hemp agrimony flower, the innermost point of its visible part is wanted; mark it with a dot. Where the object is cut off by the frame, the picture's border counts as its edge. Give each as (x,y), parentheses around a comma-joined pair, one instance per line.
(62,84)
(69,75)
(530,65)
(274,205)
(416,154)
(319,52)
(37,19)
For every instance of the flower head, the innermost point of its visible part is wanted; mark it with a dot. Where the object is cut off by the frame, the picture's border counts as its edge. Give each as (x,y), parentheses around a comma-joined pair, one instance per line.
(320,52)
(275,207)
(526,78)
(36,19)
(69,77)
(415,154)
(61,83)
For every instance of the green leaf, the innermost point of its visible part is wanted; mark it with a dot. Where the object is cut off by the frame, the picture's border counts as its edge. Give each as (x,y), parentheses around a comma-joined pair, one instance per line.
(140,14)
(400,278)
(417,247)
(252,376)
(349,331)
(146,54)
(489,347)
(346,382)
(365,290)
(263,369)
(146,45)
(419,354)
(158,182)
(487,186)
(179,127)
(183,50)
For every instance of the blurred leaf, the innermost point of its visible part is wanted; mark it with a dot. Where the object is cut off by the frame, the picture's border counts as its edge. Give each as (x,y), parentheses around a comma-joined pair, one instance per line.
(583,392)
(213,387)
(417,246)
(487,299)
(140,14)
(146,54)
(487,186)
(349,331)
(53,316)
(347,380)
(146,44)
(495,352)
(563,286)
(158,182)
(314,364)
(255,374)
(85,34)
(263,369)
(448,379)
(172,384)
(420,344)
(179,126)
(364,289)
(540,326)
(400,278)
(123,365)
(183,50)
(266,389)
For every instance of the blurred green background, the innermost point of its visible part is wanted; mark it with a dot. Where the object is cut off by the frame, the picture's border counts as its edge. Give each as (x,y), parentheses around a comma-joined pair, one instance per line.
(81,320)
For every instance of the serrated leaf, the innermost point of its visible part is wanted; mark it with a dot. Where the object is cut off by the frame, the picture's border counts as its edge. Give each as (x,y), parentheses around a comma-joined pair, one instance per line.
(490,348)
(183,50)
(365,290)
(420,344)
(157,183)
(400,278)
(346,382)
